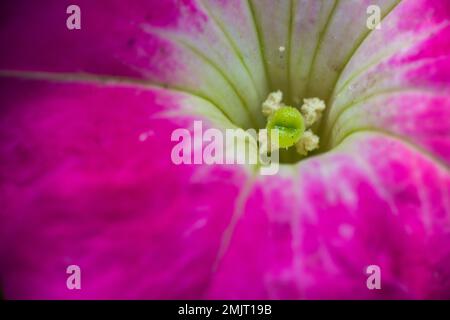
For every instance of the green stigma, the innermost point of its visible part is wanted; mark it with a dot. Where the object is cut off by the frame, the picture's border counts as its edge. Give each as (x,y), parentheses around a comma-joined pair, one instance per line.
(288,121)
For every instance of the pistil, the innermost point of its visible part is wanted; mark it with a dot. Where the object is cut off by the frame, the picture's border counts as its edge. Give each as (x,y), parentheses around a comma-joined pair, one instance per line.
(293,125)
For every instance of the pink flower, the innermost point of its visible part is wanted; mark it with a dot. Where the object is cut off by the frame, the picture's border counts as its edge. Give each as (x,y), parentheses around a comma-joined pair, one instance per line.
(87,179)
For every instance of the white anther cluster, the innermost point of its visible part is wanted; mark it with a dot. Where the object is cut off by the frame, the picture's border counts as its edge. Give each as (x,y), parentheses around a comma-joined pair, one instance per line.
(272,103)
(307,143)
(312,110)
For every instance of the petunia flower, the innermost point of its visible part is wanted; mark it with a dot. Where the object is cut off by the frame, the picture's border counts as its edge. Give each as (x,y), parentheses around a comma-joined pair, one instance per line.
(85,144)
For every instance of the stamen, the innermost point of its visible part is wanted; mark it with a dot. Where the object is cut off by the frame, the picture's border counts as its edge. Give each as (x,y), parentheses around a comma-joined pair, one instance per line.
(312,110)
(272,103)
(307,143)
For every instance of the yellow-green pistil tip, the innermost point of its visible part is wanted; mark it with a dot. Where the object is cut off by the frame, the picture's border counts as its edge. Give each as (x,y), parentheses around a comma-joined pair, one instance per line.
(289,123)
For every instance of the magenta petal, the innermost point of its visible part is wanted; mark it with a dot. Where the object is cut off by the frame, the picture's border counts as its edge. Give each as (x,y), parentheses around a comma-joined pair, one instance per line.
(170,43)
(109,32)
(79,185)
(372,202)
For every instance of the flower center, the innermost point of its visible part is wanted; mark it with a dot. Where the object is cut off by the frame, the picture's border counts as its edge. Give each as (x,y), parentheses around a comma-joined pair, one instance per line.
(290,124)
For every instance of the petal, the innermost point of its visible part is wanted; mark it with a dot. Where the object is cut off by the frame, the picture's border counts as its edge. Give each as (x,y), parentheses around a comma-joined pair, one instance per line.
(87,179)
(318,36)
(317,227)
(398,81)
(179,44)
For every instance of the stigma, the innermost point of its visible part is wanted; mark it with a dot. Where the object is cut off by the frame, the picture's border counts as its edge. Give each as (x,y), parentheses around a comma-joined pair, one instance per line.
(293,124)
